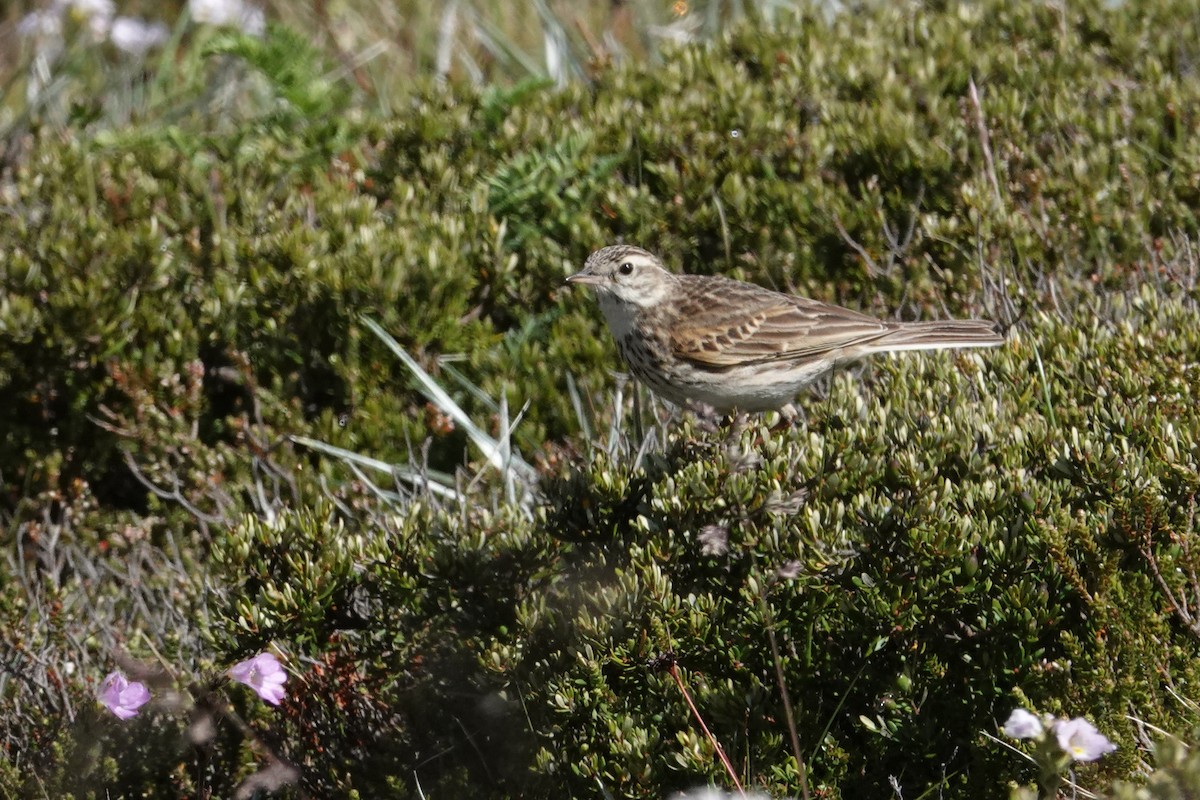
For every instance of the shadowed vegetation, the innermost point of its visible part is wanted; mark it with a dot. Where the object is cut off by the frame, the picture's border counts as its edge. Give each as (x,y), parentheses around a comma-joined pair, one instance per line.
(186,309)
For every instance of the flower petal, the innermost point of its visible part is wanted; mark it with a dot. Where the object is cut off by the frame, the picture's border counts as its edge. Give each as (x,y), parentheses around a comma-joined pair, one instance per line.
(121,696)
(1080,740)
(264,674)
(1022,724)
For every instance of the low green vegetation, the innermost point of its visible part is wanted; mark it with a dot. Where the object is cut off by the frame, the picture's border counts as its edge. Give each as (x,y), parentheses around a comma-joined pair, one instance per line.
(186,305)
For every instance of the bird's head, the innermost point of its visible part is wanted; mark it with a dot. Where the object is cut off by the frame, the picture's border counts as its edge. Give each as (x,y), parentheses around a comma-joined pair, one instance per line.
(626,275)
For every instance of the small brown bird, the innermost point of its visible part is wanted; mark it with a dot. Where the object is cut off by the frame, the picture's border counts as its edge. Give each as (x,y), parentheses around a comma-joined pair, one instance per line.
(733,345)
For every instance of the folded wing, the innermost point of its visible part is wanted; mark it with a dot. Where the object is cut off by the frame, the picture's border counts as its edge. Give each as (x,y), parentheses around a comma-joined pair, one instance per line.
(742,324)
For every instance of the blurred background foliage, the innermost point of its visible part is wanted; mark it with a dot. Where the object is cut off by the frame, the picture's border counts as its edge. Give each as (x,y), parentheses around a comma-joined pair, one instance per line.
(194,235)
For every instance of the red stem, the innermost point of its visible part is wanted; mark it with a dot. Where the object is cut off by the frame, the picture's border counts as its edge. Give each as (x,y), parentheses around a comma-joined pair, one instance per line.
(674,670)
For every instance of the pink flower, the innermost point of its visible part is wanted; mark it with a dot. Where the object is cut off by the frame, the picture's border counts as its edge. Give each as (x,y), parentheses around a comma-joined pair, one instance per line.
(121,697)
(1023,725)
(1080,740)
(264,674)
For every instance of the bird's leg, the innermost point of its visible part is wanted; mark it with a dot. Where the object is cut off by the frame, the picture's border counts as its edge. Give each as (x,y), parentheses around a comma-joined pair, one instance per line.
(707,417)
(734,422)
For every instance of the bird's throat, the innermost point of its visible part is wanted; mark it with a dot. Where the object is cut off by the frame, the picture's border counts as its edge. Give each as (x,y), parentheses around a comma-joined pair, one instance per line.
(621,318)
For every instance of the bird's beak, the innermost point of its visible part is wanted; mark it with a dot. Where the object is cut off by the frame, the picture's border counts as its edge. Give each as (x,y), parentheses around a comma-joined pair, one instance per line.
(585,278)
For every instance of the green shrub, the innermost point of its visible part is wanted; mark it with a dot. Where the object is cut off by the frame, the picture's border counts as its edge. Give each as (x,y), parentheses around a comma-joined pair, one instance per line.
(951,537)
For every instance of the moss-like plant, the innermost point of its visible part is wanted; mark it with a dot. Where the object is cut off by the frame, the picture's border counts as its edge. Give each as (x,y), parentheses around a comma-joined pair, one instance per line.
(941,539)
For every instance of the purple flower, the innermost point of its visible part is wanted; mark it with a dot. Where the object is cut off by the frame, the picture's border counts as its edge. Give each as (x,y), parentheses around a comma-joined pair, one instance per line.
(1080,740)
(264,674)
(122,697)
(1022,724)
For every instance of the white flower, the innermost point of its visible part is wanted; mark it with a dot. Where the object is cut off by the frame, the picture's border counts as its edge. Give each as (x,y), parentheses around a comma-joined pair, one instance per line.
(1080,740)
(44,29)
(229,13)
(97,15)
(135,36)
(92,8)
(41,24)
(1022,725)
(215,12)
(252,20)
(713,793)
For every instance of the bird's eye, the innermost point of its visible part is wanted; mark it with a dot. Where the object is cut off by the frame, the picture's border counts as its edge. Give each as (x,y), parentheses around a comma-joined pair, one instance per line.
(626,268)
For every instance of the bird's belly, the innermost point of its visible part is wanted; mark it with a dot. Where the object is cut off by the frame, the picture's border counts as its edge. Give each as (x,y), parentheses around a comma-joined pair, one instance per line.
(750,388)
(754,387)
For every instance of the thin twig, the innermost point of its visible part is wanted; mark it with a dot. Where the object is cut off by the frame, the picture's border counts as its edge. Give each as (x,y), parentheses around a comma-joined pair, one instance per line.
(674,670)
(783,693)
(985,140)
(873,269)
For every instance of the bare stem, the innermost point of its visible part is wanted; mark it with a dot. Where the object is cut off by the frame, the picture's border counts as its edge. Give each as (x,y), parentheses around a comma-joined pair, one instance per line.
(674,670)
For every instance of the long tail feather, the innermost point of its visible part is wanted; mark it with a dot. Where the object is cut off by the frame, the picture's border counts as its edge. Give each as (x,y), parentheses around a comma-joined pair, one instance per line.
(938,335)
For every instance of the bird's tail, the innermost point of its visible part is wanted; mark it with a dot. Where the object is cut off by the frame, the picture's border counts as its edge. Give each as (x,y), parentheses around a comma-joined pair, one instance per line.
(942,334)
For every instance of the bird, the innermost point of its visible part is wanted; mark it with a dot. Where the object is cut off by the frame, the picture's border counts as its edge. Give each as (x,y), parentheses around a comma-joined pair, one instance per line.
(736,346)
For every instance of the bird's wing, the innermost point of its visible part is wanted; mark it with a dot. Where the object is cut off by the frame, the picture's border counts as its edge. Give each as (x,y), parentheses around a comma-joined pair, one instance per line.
(724,323)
